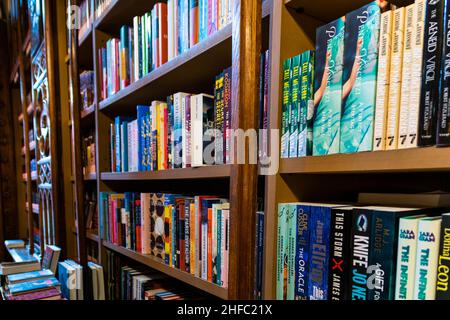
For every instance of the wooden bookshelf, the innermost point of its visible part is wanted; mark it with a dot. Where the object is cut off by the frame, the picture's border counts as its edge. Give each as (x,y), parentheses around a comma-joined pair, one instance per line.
(88,113)
(211,172)
(182,276)
(90,177)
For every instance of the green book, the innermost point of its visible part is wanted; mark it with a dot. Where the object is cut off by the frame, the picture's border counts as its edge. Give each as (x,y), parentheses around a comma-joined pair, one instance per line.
(286,108)
(283,211)
(295,75)
(306,117)
(291,250)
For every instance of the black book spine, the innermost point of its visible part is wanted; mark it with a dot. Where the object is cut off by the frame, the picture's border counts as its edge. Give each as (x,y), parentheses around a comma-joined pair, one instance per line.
(443,283)
(429,101)
(443,133)
(361,229)
(340,254)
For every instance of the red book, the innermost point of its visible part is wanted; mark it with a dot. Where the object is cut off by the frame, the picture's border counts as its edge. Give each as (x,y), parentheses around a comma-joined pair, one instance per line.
(137,205)
(182,237)
(155,37)
(163,36)
(210,266)
(193,24)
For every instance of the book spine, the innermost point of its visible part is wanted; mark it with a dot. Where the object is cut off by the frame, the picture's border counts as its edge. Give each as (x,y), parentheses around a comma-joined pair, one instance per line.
(406,258)
(112,148)
(227,115)
(178,136)
(210,244)
(193,22)
(294,106)
(442,288)
(219,119)
(171,151)
(361,229)
(219,247)
(443,134)
(124,75)
(197,237)
(427,259)
(340,243)
(416,76)
(383,248)
(124,146)
(302,254)
(175,236)
(283,211)
(187,149)
(226,252)
(395,82)
(187,236)
(170,29)
(429,101)
(319,250)
(184,97)
(408,67)
(291,250)
(204,242)
(259,254)
(118,144)
(162,20)
(167,237)
(286,108)
(383,79)
(136,48)
(306,116)
(182,236)
(193,242)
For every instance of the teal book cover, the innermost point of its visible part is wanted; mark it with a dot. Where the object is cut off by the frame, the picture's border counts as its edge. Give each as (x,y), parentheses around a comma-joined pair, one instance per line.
(294,106)
(362,32)
(328,87)
(305,139)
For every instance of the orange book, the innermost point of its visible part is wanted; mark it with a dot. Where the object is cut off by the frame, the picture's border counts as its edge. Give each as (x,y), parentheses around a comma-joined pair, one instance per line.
(163,33)
(193,24)
(210,271)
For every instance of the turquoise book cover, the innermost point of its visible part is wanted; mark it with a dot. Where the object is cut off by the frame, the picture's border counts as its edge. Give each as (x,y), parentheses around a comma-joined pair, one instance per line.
(329,67)
(305,139)
(362,32)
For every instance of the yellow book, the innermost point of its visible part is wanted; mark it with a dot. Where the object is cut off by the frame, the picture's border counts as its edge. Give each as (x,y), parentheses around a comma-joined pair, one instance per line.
(395,79)
(192,238)
(168,236)
(161,110)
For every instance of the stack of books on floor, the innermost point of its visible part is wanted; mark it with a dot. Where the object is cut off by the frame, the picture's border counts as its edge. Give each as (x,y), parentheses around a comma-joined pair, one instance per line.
(357,252)
(187,233)
(38,285)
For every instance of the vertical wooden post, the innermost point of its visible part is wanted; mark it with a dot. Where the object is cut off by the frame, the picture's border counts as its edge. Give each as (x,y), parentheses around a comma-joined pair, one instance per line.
(26,129)
(74,83)
(246,52)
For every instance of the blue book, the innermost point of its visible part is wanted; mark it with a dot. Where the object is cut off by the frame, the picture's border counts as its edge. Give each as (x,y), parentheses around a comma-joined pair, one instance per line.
(302,253)
(124,146)
(319,252)
(109,64)
(117,126)
(124,58)
(142,116)
(32,286)
(203,19)
(206,204)
(29,276)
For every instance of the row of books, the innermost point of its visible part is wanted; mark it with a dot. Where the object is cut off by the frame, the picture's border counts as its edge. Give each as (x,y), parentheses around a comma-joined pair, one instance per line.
(157,37)
(187,233)
(91,211)
(87,89)
(175,134)
(373,84)
(89,11)
(88,156)
(340,252)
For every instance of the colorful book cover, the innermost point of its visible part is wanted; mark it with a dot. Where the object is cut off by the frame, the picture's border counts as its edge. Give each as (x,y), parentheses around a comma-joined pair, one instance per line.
(227,114)
(416,77)
(302,254)
(442,288)
(282,252)
(285,120)
(219,119)
(294,107)
(340,252)
(427,258)
(443,124)
(362,29)
(193,238)
(187,234)
(171,151)
(29,276)
(432,57)
(361,242)
(143,113)
(32,286)
(169,202)
(319,252)
(328,87)
(146,224)
(188,129)
(306,114)
(181,203)
(406,257)
(124,58)
(383,78)
(193,22)
(212,16)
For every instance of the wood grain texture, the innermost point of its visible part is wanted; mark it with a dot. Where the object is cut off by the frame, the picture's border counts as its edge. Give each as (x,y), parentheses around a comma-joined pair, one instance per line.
(245,105)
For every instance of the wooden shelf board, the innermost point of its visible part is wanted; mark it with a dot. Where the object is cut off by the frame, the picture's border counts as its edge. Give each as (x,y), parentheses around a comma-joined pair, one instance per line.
(82,38)
(210,172)
(158,265)
(90,177)
(214,52)
(411,160)
(88,113)
(327,11)
(90,234)
(121,12)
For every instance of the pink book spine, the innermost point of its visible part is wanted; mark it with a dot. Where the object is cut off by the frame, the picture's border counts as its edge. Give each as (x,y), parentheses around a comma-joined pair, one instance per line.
(145,216)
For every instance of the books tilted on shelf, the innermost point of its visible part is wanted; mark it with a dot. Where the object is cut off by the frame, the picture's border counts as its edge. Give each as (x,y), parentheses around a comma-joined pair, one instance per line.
(338,252)
(187,233)
(70,275)
(98,282)
(51,258)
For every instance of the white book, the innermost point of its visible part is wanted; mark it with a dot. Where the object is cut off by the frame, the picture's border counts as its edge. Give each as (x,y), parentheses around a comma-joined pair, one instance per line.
(408,54)
(94,281)
(416,76)
(136,47)
(223,241)
(170,29)
(130,147)
(204,246)
(145,223)
(134,147)
(384,67)
(200,104)
(406,257)
(184,126)
(395,83)
(427,258)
